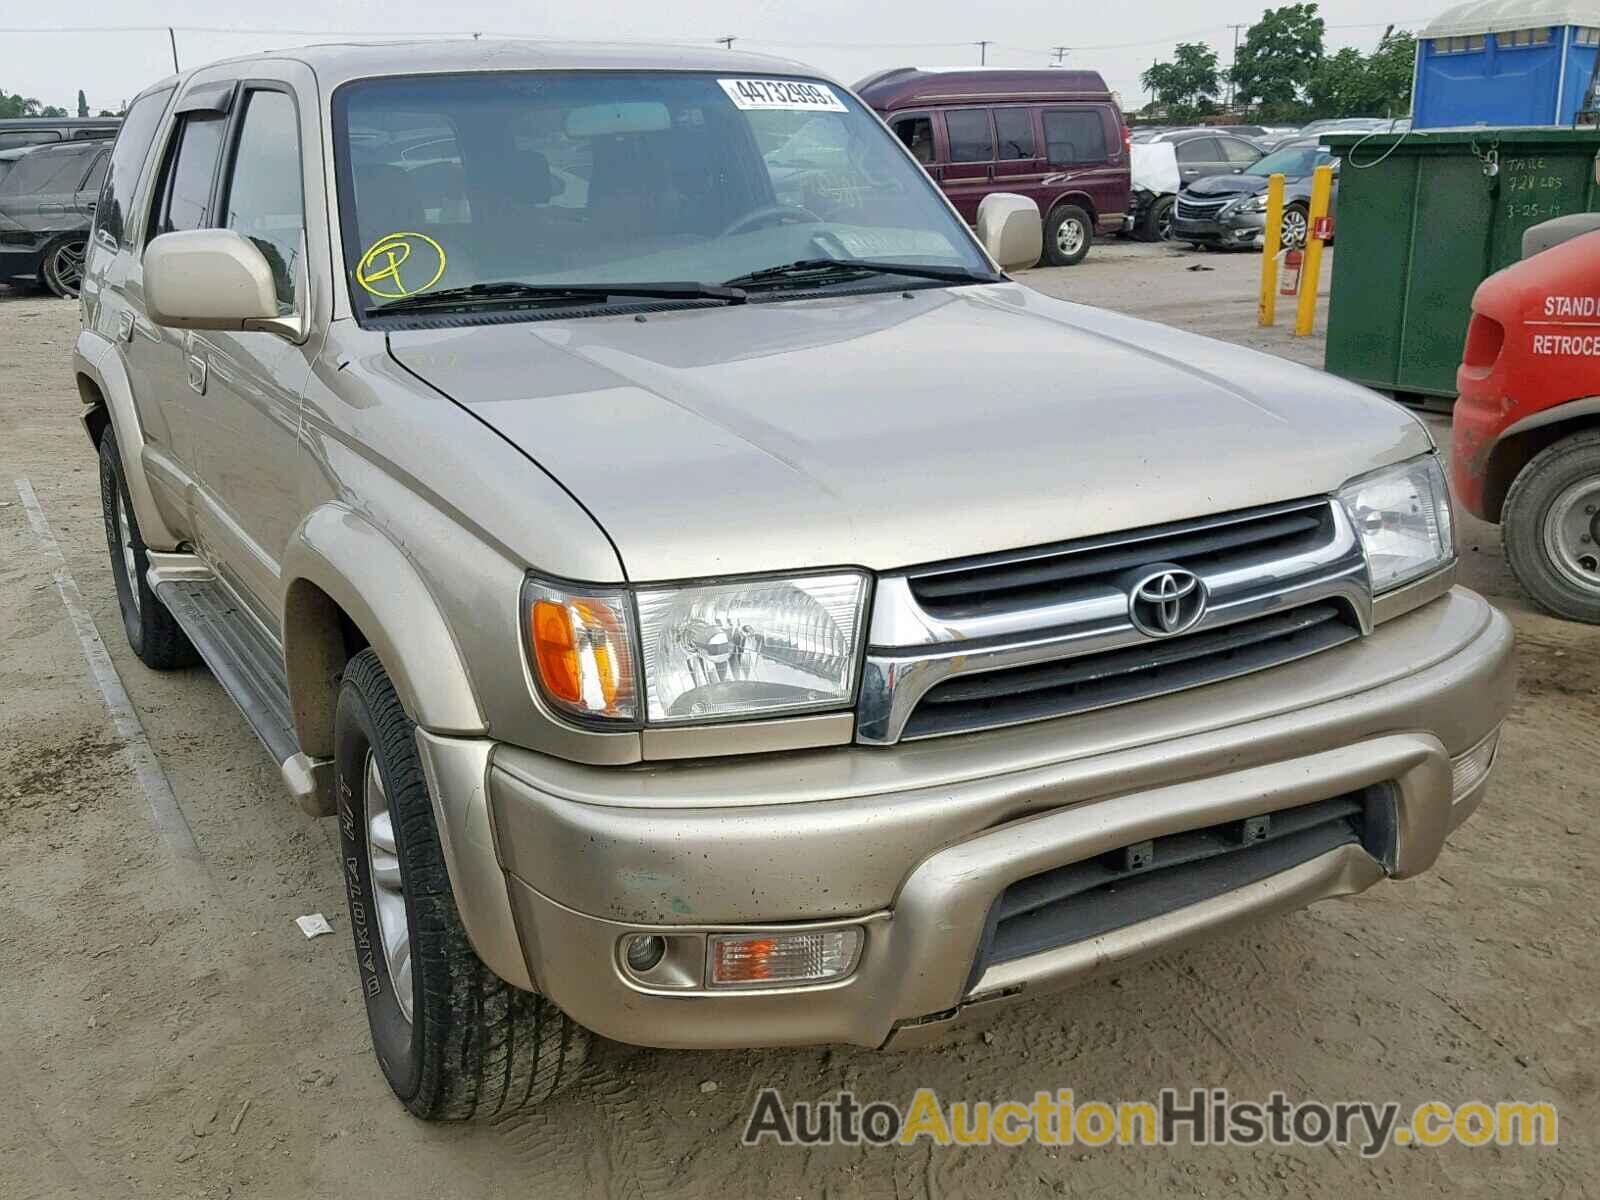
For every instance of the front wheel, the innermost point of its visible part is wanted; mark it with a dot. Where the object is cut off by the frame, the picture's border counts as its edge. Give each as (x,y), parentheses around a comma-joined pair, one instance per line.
(1296,226)
(454,1040)
(1552,528)
(1067,236)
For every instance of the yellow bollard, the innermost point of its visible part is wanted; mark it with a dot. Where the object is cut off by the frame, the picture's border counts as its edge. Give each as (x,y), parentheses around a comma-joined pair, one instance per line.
(1321,193)
(1267,312)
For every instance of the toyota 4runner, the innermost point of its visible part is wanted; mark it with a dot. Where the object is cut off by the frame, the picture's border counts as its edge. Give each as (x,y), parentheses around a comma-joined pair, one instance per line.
(719,606)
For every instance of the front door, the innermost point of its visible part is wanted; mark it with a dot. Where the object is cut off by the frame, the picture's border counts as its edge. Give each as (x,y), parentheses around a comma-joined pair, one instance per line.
(248,441)
(1199,158)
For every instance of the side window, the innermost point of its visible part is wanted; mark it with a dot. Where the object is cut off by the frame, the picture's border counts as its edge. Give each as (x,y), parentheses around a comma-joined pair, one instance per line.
(1199,150)
(1240,154)
(97,173)
(265,201)
(971,139)
(185,200)
(917,134)
(1015,127)
(127,162)
(44,172)
(1074,136)
(28,137)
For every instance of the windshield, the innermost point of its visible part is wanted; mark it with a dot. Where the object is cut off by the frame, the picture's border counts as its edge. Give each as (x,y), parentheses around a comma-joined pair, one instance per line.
(585,178)
(1293,162)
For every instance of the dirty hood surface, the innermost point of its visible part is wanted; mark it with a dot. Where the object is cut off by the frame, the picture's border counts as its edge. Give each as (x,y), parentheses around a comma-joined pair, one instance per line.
(890,429)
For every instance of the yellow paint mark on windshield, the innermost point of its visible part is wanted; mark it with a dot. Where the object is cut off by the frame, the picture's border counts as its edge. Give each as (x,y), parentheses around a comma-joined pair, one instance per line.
(398,265)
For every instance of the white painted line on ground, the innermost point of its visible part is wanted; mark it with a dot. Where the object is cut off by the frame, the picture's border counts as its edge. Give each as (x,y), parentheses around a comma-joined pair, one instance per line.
(165,813)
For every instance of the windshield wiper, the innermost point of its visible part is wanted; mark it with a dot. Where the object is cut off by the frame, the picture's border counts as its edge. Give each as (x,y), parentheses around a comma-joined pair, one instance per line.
(808,269)
(512,289)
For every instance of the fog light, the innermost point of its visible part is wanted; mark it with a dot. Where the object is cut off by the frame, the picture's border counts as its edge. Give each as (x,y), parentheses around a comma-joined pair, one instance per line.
(644,952)
(1467,770)
(776,959)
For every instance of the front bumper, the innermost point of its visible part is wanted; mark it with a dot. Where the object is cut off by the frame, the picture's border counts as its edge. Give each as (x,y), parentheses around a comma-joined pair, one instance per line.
(1236,229)
(914,843)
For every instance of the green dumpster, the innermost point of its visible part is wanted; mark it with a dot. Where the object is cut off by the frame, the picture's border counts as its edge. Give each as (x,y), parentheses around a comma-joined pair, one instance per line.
(1425,217)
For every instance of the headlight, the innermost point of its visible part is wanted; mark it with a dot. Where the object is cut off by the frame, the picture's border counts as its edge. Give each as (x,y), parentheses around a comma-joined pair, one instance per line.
(750,648)
(724,651)
(1403,517)
(1252,205)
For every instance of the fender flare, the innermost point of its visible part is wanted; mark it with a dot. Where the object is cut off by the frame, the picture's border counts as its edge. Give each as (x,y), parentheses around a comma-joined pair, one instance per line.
(103,382)
(1587,406)
(338,555)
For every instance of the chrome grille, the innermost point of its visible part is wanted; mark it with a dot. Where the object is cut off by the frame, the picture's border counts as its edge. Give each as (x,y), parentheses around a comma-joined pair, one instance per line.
(1200,210)
(1047,632)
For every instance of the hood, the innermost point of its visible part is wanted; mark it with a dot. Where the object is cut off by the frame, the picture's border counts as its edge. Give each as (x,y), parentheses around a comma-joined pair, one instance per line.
(894,429)
(1227,185)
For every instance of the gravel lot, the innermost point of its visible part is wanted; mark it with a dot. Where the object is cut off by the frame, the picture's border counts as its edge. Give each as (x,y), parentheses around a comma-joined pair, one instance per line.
(170,1032)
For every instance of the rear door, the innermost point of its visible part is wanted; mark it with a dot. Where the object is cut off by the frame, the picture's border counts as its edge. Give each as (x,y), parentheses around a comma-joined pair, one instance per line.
(1019,164)
(1083,155)
(969,158)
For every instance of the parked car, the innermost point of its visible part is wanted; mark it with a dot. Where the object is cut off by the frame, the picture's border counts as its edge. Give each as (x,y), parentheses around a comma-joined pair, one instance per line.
(1229,211)
(47,201)
(1056,137)
(16,132)
(1201,153)
(722,615)
(1526,449)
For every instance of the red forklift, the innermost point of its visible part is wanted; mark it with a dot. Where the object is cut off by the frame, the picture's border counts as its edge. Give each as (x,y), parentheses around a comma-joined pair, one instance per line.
(1526,436)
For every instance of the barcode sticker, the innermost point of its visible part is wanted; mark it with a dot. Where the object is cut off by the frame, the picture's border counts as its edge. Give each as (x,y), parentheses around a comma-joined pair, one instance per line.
(793,94)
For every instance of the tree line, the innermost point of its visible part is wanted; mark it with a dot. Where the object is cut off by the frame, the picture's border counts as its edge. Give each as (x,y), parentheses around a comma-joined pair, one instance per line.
(14,104)
(1282,72)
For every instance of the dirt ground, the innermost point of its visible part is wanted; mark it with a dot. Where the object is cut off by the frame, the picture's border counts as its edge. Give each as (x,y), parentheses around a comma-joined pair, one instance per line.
(168,1031)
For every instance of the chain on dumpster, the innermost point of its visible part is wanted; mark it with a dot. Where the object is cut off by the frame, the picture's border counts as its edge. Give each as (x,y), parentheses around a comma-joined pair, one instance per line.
(1490,158)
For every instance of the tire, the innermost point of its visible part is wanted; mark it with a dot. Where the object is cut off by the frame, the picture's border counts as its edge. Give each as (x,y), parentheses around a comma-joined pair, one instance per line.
(458,1043)
(1155,225)
(61,269)
(1553,504)
(1296,225)
(1068,234)
(153,633)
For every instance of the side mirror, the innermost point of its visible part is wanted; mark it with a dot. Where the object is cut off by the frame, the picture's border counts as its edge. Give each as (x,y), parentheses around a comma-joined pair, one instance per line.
(1010,229)
(208,279)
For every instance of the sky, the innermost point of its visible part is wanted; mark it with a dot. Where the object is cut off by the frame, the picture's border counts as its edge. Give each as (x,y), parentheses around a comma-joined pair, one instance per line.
(844,38)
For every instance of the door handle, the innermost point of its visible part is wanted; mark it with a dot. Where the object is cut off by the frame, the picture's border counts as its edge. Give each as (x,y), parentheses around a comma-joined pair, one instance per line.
(197,373)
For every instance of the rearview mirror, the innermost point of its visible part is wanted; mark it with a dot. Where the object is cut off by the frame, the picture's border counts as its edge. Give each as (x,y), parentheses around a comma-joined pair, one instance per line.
(208,279)
(1010,230)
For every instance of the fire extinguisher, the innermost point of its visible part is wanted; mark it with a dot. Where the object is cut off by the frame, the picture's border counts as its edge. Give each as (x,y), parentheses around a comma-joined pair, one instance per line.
(1291,273)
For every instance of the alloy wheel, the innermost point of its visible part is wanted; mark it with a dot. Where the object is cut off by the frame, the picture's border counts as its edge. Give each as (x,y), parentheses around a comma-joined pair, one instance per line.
(388,890)
(66,267)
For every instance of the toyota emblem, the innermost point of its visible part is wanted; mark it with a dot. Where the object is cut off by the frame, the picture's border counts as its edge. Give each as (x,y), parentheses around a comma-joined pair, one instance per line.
(1164,600)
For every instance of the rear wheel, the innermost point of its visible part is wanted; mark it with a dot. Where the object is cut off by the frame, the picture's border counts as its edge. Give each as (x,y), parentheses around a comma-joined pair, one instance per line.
(62,268)
(454,1040)
(1552,528)
(1156,223)
(156,637)
(1067,236)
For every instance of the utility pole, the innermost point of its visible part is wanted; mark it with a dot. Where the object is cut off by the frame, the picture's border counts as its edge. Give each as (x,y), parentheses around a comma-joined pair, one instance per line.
(1061,53)
(173,38)
(727,42)
(983,53)
(1235,29)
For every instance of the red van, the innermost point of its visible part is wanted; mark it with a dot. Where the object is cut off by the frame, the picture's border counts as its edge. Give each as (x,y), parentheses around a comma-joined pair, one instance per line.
(1055,136)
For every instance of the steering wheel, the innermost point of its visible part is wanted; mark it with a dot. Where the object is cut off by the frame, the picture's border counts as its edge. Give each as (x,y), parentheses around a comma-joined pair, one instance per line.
(768,212)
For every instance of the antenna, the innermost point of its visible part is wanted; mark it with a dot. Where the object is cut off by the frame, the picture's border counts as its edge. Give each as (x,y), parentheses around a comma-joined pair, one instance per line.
(727,42)
(1061,53)
(983,53)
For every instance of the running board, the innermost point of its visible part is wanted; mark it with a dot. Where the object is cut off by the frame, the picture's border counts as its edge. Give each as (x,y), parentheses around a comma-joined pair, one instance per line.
(249,668)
